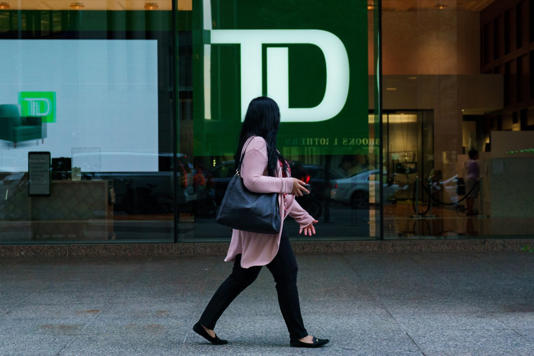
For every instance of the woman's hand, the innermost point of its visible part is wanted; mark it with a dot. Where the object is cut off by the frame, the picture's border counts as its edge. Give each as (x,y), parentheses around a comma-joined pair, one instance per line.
(309,230)
(299,188)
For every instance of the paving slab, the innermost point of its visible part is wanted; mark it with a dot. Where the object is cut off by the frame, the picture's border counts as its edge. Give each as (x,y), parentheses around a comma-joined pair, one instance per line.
(472,342)
(145,343)
(519,317)
(527,333)
(366,303)
(419,322)
(75,311)
(33,344)
(12,327)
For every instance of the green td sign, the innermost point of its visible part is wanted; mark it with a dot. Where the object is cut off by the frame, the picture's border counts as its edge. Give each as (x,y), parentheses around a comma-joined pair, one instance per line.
(310,56)
(38,103)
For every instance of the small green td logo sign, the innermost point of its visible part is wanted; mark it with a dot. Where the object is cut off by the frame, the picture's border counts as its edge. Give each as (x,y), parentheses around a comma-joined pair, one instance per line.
(38,103)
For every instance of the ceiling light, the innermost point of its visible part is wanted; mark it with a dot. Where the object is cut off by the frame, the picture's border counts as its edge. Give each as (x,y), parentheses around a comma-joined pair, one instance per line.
(396,118)
(4,5)
(441,6)
(77,5)
(150,5)
(371,5)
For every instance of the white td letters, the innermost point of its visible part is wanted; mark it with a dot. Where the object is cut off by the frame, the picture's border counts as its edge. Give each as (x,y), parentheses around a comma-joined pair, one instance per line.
(251,41)
(35,106)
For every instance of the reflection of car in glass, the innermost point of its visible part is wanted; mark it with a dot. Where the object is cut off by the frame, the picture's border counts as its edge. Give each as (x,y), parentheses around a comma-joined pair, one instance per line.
(315,176)
(355,189)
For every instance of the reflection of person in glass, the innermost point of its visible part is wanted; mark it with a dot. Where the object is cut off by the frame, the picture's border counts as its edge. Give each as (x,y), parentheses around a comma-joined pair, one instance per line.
(199,179)
(472,170)
(264,170)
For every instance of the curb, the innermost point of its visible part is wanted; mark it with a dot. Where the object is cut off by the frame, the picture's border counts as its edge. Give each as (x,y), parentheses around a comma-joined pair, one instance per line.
(300,247)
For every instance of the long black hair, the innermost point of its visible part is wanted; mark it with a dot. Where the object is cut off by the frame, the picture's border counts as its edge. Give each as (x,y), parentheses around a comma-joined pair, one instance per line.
(262,119)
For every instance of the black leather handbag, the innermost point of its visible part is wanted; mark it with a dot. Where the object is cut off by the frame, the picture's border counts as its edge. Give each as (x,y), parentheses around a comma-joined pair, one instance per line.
(244,210)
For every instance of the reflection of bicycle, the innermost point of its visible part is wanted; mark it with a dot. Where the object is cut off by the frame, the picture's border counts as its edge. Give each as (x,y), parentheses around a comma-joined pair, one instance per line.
(430,192)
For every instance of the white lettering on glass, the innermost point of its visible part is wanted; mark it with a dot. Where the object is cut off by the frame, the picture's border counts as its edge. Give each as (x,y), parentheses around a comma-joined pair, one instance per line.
(251,41)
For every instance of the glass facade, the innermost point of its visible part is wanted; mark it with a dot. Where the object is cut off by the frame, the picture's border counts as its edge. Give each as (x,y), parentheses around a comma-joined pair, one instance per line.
(119,120)
(95,88)
(460,70)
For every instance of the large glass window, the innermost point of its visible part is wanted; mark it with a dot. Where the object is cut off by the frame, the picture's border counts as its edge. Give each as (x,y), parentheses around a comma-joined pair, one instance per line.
(463,147)
(91,88)
(318,66)
(119,120)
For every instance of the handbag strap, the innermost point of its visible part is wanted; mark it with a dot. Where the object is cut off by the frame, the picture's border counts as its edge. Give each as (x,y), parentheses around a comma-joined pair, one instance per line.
(238,169)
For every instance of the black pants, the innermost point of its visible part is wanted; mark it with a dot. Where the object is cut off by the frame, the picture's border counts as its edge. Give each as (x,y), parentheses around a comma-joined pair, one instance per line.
(284,270)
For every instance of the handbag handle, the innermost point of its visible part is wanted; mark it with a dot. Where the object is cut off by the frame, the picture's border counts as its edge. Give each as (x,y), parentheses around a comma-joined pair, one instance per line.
(238,169)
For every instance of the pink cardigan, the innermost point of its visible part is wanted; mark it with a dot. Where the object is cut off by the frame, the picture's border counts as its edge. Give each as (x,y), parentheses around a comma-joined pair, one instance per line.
(259,249)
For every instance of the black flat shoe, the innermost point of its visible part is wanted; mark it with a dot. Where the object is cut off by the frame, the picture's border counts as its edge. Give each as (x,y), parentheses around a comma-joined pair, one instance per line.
(199,329)
(316,343)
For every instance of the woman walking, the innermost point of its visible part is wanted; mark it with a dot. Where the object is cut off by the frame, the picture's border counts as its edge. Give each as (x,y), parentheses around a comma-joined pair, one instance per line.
(264,170)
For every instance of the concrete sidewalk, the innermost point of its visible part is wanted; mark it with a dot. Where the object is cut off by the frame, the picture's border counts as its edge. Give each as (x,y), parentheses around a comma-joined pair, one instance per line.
(367,304)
